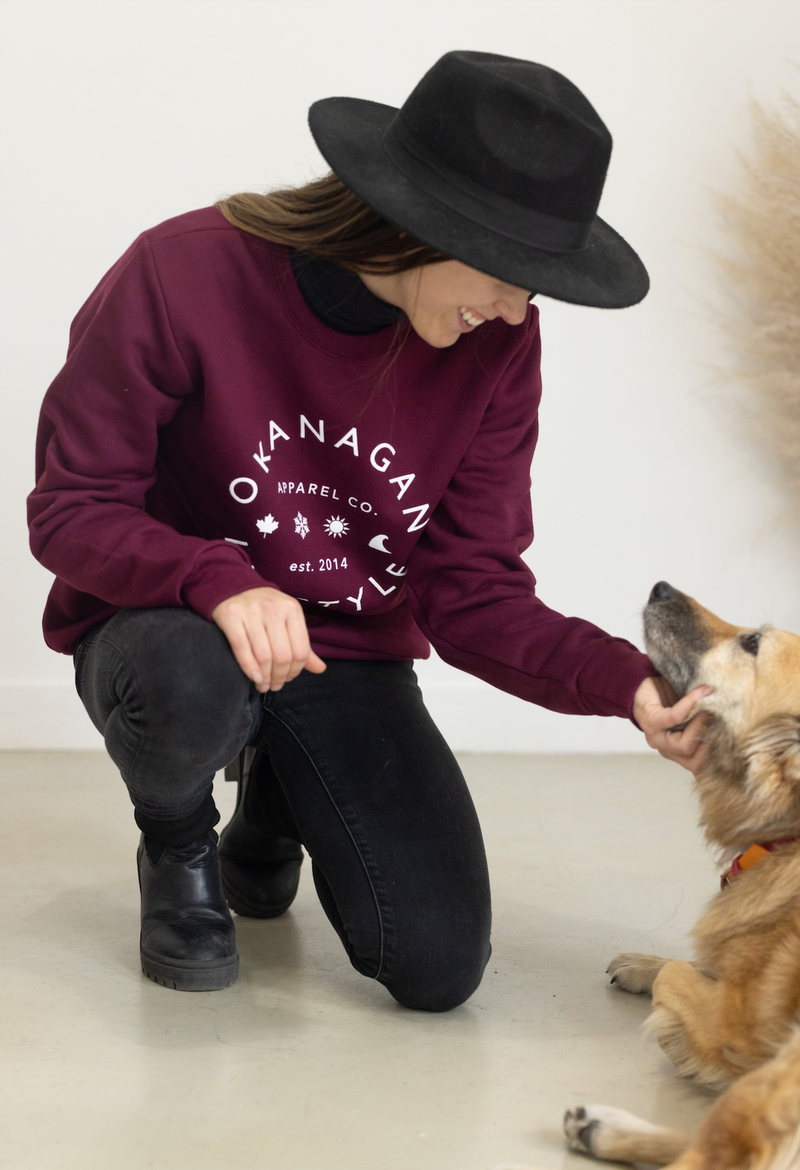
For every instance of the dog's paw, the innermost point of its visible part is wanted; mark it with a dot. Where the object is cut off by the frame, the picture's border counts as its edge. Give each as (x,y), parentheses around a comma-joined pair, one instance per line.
(578,1125)
(601,1131)
(635,973)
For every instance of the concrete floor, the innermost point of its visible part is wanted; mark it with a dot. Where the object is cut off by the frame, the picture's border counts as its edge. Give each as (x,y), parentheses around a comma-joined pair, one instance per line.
(303,1064)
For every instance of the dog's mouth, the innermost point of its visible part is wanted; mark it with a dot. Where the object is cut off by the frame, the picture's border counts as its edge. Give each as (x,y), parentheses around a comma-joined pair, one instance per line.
(674,637)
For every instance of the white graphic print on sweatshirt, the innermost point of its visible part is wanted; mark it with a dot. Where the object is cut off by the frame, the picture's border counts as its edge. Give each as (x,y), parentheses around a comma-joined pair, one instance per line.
(329,512)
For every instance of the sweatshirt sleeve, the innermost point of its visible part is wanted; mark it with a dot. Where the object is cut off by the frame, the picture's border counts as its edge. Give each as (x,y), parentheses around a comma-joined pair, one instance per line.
(123,380)
(475,598)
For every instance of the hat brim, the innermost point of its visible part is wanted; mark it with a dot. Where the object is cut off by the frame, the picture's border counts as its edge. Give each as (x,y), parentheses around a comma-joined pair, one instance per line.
(606,274)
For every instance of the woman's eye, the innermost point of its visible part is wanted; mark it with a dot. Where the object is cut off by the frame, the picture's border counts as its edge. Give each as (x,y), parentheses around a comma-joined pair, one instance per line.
(750,643)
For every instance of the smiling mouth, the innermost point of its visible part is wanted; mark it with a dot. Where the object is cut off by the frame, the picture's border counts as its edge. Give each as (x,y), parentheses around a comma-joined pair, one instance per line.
(470,318)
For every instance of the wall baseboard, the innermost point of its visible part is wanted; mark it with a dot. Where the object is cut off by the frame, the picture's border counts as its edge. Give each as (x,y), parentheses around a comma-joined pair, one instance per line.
(473,717)
(44,716)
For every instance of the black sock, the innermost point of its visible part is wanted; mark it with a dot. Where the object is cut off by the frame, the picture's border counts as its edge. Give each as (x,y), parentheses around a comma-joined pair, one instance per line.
(160,834)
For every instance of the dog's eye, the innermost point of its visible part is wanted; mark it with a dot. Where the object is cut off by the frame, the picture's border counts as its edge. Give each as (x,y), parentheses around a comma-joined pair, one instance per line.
(750,643)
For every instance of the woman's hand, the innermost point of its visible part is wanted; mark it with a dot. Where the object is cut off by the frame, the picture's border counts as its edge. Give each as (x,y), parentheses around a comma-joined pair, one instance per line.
(661,715)
(267,633)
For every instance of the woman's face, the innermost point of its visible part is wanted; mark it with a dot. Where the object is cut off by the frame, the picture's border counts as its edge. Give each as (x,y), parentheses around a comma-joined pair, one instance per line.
(443,301)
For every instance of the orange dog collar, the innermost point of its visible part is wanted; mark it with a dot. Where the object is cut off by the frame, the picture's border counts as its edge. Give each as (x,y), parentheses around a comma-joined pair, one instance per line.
(752,857)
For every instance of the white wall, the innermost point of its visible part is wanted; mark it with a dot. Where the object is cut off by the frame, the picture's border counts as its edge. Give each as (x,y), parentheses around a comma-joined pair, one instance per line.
(120,113)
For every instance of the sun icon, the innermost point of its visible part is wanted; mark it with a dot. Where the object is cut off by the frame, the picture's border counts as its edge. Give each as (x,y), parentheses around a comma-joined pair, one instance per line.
(336,526)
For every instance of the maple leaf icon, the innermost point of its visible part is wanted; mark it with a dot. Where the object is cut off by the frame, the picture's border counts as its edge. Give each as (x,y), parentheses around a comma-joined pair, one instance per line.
(268,524)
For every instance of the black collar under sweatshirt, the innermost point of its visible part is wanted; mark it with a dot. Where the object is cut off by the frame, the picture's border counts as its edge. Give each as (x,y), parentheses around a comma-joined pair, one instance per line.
(339,298)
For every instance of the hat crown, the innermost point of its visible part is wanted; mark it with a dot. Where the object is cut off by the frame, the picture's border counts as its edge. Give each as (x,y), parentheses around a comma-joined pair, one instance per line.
(496,162)
(512,127)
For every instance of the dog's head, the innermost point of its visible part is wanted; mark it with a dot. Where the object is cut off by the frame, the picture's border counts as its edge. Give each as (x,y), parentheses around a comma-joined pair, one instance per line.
(750,785)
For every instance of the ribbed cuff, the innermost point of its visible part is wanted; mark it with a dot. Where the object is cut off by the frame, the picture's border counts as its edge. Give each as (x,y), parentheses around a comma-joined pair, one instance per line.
(204,595)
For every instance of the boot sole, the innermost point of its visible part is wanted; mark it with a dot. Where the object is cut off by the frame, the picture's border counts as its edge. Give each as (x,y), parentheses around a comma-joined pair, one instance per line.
(189,976)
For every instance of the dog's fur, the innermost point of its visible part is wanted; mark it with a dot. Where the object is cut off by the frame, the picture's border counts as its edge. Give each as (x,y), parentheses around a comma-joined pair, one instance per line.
(733,1015)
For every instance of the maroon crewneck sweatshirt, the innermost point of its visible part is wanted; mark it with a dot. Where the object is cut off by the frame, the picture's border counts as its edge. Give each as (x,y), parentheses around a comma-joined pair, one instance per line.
(208,434)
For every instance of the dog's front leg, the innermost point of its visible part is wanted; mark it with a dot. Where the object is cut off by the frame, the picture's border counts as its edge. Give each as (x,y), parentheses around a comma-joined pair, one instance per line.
(635,973)
(615,1135)
(704,1026)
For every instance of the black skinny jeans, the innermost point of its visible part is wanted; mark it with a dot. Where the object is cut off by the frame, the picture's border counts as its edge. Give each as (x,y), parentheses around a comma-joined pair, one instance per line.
(371,788)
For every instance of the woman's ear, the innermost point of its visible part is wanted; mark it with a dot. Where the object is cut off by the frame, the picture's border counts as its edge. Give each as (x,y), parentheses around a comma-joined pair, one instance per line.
(772,766)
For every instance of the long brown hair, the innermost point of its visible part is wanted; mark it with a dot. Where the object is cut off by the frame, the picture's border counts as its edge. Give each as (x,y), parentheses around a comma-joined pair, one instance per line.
(325,218)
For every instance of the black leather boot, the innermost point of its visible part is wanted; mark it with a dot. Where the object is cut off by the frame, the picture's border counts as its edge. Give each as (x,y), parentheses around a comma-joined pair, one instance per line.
(260,868)
(188,939)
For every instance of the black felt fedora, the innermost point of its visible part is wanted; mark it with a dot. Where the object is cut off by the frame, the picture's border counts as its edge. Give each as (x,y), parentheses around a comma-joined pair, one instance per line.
(496,162)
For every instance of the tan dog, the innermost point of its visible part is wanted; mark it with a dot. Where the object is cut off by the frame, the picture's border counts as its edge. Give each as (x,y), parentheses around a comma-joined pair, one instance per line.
(734,1014)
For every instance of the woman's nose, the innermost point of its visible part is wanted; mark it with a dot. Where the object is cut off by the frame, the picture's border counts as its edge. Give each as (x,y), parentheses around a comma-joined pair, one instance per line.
(514,307)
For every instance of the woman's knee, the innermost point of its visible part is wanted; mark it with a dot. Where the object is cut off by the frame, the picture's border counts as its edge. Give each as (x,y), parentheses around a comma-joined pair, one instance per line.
(433,966)
(174,652)
(167,675)
(434,975)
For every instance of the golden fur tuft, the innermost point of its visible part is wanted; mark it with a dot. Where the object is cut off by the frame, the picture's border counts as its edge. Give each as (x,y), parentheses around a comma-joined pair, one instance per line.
(762,278)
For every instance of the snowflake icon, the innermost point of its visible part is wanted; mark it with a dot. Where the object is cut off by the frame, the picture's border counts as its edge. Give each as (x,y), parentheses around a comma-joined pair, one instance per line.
(301,525)
(336,526)
(268,524)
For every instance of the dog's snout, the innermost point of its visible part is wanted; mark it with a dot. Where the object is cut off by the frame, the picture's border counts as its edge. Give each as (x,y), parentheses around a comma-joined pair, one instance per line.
(663,591)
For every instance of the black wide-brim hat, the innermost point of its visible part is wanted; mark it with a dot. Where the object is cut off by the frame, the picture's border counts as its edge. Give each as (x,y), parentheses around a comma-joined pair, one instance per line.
(496,162)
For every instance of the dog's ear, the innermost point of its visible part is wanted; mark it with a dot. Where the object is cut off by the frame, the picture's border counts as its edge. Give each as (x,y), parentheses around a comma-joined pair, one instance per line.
(772,766)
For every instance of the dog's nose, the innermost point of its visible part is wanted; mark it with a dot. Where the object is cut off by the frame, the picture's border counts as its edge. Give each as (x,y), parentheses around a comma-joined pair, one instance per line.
(663,591)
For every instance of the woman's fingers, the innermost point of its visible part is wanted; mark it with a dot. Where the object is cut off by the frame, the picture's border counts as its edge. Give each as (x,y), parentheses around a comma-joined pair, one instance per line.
(298,647)
(315,664)
(686,746)
(281,629)
(682,710)
(672,730)
(267,633)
